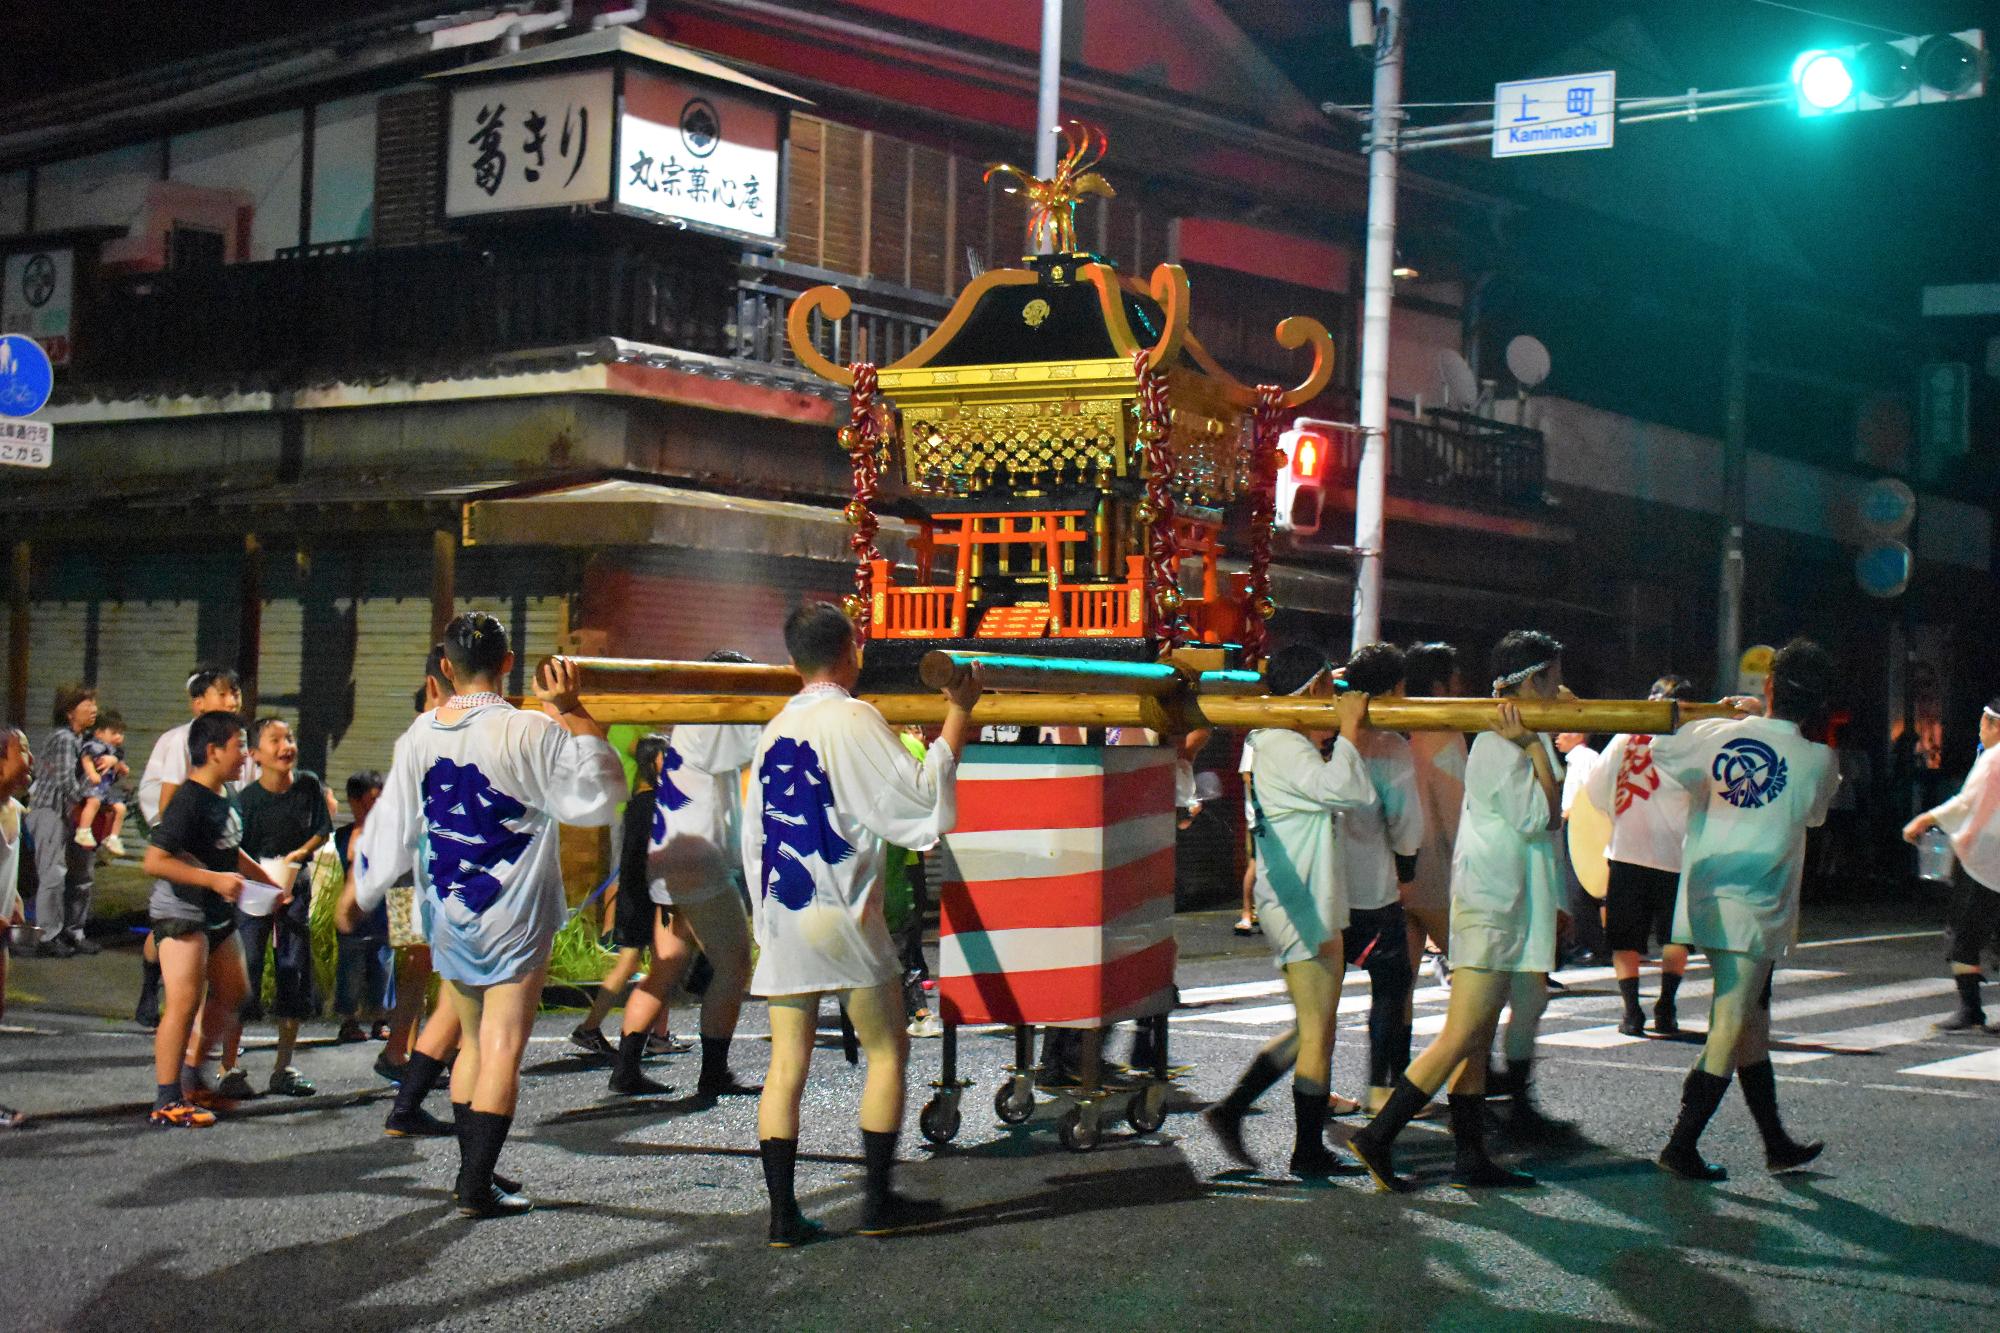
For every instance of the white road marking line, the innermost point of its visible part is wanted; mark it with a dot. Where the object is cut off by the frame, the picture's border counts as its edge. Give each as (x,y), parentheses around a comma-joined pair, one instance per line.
(1861,1040)
(1833,1002)
(1590,1039)
(1241,990)
(1872,939)
(1263,1013)
(1680,1071)
(1981,1065)
(1427,1025)
(1799,1057)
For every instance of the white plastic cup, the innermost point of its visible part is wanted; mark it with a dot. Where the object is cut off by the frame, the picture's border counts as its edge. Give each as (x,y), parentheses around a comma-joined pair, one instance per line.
(257,899)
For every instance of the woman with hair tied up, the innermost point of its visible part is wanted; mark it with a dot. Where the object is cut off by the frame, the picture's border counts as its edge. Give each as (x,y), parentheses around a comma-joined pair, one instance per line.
(1755,784)
(481,786)
(1505,895)
(1969,820)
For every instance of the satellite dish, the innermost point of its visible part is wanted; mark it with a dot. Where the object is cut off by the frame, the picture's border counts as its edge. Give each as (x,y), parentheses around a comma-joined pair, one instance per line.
(1528,360)
(1461,386)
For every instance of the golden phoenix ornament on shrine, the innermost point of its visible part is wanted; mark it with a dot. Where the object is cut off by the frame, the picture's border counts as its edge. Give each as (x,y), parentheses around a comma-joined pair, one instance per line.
(1052,202)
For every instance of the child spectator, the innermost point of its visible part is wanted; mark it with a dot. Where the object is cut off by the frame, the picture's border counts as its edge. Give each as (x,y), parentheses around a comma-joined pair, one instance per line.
(200,868)
(103,764)
(285,820)
(363,958)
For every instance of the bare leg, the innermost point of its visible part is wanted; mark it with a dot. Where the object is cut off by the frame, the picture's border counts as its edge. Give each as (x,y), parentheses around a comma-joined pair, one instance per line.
(413,976)
(228,983)
(1477,996)
(1315,990)
(793,1021)
(877,1015)
(288,1040)
(506,1018)
(612,989)
(117,818)
(646,1006)
(718,926)
(184,974)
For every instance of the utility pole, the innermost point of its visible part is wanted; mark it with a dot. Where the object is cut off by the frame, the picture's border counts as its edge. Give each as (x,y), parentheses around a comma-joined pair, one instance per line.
(1735,458)
(1048,103)
(1378,295)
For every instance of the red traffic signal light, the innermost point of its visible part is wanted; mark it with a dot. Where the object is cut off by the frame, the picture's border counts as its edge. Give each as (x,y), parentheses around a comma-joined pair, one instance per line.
(1310,447)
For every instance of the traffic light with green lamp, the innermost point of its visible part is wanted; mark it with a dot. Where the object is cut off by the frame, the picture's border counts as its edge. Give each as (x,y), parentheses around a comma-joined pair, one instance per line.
(1910,71)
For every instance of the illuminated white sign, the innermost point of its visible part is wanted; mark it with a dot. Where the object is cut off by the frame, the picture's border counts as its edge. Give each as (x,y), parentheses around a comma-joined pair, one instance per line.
(717,165)
(529,143)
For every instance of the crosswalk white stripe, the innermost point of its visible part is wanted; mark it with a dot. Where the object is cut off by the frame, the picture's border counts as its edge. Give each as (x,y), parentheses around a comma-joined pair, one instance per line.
(1832,1002)
(1981,1065)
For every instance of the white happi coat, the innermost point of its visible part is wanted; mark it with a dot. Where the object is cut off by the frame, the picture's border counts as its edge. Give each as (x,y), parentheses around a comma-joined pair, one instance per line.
(1440,762)
(482,797)
(1506,887)
(693,853)
(1969,819)
(1648,810)
(169,763)
(1373,836)
(832,790)
(1301,894)
(1755,785)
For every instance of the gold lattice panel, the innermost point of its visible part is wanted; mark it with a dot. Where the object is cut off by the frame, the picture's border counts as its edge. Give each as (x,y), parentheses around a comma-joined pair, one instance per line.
(1211,455)
(965,447)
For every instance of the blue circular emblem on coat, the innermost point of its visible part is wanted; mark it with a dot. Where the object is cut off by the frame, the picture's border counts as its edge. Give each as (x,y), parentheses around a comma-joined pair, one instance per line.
(1751,773)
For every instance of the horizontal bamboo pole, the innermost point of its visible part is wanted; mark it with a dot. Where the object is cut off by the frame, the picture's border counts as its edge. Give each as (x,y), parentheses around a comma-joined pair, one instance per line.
(1182,714)
(1053,675)
(641,675)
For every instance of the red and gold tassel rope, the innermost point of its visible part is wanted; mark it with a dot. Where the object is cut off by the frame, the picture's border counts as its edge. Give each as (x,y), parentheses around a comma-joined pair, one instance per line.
(1156,511)
(862,438)
(1265,426)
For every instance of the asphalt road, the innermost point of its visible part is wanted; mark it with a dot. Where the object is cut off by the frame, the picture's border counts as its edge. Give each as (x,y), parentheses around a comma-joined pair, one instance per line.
(300,1215)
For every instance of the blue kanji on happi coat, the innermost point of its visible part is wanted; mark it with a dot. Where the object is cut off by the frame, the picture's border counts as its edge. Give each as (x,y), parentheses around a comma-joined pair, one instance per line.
(469,838)
(797,799)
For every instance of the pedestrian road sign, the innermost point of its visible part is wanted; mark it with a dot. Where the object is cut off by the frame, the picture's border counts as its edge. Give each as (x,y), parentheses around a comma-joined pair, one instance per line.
(1560,115)
(26,377)
(27,443)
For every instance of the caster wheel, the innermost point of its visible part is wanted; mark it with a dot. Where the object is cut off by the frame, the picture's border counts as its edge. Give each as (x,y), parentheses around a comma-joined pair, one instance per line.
(1077,1134)
(1147,1111)
(938,1121)
(1010,1111)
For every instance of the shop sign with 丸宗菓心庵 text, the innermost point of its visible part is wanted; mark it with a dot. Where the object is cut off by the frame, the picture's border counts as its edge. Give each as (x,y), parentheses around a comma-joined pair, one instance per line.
(716,165)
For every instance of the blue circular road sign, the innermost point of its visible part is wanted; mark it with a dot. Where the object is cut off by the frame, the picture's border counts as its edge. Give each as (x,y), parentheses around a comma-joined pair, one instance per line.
(26,377)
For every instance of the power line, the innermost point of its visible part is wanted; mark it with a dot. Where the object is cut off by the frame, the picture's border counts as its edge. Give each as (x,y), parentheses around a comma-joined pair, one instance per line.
(1833,18)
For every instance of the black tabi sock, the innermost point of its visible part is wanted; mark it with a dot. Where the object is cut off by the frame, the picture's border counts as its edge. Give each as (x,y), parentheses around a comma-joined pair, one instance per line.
(714,1059)
(481,1134)
(631,1050)
(166,1094)
(1670,986)
(1760,1089)
(1700,1095)
(1968,993)
(420,1075)
(1309,1117)
(1264,1071)
(1628,990)
(1404,1102)
(878,1155)
(781,1164)
(1468,1130)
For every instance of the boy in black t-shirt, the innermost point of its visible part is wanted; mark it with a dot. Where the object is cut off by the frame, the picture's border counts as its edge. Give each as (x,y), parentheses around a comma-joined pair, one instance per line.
(197,856)
(285,820)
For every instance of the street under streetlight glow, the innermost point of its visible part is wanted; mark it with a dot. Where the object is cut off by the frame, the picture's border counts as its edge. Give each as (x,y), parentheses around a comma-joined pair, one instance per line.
(1823,80)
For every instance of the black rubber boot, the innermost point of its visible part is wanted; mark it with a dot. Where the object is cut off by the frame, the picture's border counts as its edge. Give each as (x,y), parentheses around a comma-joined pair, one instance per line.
(407,1118)
(481,1136)
(627,1078)
(717,1079)
(460,1114)
(789,1226)
(1375,1143)
(1311,1159)
(1633,1024)
(1472,1168)
(1700,1095)
(883,1210)
(1225,1118)
(1760,1089)
(1666,1020)
(1970,1014)
(1526,1121)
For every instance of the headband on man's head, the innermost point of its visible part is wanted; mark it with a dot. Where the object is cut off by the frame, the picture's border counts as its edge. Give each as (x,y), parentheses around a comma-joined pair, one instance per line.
(1991,711)
(1522,676)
